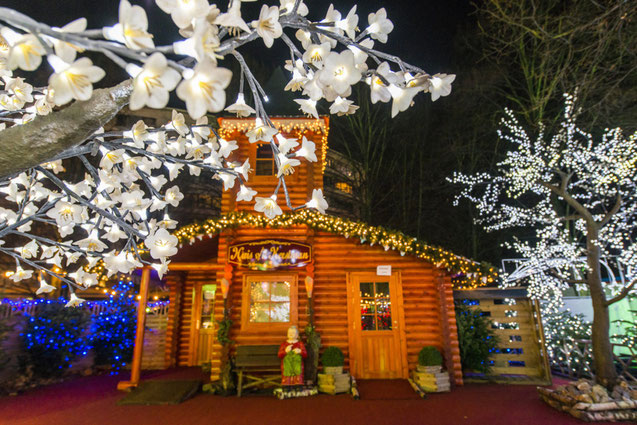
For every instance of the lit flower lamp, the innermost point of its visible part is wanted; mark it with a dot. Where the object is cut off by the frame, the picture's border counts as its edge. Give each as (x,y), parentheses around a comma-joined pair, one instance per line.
(225,285)
(309,286)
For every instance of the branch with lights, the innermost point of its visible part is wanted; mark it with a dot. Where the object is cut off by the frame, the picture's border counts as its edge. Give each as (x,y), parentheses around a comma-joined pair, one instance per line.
(123,197)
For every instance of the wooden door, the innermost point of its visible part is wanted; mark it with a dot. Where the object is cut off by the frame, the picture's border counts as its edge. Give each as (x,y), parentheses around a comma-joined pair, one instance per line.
(376,319)
(203,329)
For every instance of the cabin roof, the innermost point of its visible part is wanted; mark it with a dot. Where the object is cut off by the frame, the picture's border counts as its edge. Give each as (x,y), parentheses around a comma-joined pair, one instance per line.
(467,274)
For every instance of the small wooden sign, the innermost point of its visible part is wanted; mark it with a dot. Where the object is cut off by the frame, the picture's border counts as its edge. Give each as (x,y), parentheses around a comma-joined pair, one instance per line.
(270,254)
(383,270)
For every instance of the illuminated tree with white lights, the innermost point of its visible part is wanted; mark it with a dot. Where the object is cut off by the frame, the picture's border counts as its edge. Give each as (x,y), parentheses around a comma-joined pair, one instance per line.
(116,214)
(578,195)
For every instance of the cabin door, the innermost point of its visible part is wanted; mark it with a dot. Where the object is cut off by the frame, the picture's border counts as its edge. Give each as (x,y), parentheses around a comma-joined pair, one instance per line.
(376,319)
(203,330)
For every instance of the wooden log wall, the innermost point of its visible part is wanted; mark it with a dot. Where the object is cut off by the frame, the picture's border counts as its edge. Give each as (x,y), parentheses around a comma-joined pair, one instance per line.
(334,257)
(308,176)
(155,342)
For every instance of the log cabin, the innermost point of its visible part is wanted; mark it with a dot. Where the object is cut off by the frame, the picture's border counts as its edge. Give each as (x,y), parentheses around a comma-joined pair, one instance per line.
(378,295)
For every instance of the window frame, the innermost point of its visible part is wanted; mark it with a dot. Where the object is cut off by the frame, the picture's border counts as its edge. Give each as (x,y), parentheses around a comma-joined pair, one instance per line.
(248,278)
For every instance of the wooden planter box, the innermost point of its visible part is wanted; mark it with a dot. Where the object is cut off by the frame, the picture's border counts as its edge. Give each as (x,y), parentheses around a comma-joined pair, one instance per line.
(590,412)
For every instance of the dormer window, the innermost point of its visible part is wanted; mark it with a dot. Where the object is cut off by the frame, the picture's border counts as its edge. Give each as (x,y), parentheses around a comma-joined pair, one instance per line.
(265,165)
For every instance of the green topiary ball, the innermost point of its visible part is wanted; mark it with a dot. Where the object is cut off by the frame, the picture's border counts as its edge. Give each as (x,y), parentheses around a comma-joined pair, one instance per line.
(332,356)
(429,356)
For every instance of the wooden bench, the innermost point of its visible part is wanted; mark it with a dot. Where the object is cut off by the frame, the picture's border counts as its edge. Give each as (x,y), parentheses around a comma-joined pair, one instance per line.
(258,365)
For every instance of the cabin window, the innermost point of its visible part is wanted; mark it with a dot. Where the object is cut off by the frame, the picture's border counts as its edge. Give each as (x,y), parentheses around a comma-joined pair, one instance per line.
(265,165)
(269,301)
(344,187)
(375,306)
(208,306)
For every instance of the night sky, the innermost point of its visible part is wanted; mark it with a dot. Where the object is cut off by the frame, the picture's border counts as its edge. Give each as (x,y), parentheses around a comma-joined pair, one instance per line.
(423,29)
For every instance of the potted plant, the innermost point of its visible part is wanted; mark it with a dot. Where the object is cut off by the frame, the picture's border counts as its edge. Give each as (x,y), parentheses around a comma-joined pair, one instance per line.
(429,360)
(332,361)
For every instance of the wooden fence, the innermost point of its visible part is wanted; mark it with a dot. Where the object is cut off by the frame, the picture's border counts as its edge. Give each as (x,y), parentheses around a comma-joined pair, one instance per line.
(521,354)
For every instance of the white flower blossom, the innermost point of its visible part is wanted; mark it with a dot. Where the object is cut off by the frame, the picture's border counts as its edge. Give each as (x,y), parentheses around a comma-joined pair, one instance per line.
(288,5)
(440,85)
(73,81)
(318,201)
(307,151)
(342,107)
(84,278)
(232,19)
(204,91)
(268,26)
(286,165)
(21,274)
(261,132)
(132,29)
(379,26)
(184,11)
(245,194)
(117,263)
(308,106)
(316,53)
(240,107)
(65,214)
(402,98)
(227,147)
(161,268)
(92,243)
(74,301)
(161,244)
(152,83)
(25,50)
(173,196)
(44,288)
(285,145)
(268,206)
(340,72)
(67,51)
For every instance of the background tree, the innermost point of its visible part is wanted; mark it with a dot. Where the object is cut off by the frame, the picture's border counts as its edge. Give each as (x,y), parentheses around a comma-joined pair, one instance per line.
(543,48)
(578,196)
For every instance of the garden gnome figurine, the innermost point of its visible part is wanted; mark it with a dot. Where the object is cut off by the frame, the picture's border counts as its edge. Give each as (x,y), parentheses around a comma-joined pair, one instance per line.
(292,352)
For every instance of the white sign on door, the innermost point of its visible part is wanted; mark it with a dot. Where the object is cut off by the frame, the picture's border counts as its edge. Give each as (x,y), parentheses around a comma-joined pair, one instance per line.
(383,270)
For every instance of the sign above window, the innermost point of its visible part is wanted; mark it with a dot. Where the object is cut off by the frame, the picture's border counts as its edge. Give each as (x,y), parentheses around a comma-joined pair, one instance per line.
(270,254)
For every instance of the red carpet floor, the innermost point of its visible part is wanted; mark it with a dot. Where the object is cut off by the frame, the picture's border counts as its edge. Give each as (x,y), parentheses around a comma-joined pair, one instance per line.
(92,401)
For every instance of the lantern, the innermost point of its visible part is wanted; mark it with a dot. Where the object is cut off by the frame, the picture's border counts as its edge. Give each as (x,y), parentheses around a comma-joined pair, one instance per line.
(225,285)
(309,286)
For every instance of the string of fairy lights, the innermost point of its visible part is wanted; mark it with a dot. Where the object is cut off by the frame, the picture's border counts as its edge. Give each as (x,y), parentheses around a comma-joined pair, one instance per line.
(468,274)
(231,128)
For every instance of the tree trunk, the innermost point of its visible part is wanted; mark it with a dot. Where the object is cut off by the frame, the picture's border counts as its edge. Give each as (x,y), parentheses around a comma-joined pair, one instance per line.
(603,364)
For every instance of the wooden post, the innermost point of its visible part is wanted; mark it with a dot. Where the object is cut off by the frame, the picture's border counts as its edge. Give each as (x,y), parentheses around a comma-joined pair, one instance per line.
(136,366)
(446,332)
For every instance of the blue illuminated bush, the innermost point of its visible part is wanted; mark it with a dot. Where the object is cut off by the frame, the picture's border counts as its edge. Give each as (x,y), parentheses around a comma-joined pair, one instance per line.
(114,328)
(54,338)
